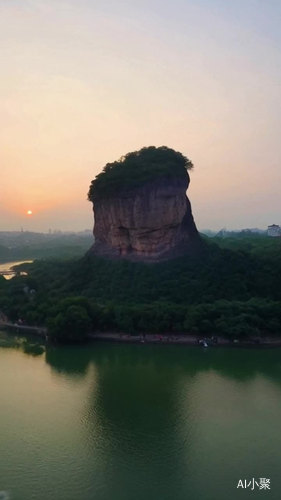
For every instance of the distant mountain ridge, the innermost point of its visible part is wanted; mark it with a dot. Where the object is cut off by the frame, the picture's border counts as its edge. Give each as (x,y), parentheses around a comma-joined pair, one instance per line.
(231,233)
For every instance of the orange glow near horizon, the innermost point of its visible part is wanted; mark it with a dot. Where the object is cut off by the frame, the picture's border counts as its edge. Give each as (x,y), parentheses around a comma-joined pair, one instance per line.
(95,80)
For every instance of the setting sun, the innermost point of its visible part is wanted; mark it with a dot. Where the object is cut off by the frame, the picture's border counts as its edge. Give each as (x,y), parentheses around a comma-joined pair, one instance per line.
(29,212)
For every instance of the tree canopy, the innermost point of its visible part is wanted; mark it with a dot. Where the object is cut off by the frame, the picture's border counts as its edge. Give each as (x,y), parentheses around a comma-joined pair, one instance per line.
(233,291)
(137,168)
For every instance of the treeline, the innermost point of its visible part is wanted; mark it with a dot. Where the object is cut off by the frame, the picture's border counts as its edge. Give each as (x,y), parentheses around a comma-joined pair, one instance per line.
(223,292)
(259,245)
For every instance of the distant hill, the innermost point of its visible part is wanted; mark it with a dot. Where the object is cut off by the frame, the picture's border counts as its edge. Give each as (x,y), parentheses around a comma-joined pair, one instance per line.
(241,233)
(19,245)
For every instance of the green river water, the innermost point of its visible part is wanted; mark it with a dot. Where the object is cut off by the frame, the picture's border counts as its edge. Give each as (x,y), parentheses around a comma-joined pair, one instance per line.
(138,422)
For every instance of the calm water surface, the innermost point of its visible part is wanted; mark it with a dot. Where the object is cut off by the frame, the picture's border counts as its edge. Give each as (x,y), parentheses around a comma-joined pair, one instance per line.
(143,422)
(7,266)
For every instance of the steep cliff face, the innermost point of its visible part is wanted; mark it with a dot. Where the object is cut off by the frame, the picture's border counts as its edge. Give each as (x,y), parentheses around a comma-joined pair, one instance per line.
(151,222)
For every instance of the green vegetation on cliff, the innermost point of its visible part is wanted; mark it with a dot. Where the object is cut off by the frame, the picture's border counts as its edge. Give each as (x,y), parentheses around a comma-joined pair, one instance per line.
(137,168)
(225,291)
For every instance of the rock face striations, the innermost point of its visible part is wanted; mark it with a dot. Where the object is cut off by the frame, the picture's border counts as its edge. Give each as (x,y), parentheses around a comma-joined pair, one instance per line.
(141,209)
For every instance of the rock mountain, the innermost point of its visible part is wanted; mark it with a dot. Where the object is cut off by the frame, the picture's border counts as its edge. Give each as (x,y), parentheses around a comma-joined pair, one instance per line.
(141,209)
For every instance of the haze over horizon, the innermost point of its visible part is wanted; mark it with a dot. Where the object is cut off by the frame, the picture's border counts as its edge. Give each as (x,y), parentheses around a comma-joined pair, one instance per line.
(82,85)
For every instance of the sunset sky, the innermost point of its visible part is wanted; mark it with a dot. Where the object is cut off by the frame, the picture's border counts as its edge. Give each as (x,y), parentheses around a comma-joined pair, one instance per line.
(83,83)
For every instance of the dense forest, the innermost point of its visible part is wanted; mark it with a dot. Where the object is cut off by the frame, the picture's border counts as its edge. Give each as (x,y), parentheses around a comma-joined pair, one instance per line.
(232,289)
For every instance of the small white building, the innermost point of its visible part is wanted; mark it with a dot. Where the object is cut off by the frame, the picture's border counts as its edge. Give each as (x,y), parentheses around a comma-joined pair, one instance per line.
(274,230)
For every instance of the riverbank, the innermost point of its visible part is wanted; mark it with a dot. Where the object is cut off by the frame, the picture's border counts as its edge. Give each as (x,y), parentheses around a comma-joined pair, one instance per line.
(185,339)
(7,268)
(162,339)
(17,327)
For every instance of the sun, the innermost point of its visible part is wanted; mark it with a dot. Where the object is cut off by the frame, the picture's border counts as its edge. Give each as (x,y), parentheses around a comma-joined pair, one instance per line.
(29,212)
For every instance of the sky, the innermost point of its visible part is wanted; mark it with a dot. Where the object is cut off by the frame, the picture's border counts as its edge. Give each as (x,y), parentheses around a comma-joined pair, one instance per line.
(83,83)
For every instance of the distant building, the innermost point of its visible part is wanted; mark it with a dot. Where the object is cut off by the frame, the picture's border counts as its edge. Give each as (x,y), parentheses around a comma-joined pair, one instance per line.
(274,230)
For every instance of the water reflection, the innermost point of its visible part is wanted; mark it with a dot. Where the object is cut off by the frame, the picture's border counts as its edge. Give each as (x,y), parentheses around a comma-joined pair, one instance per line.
(7,269)
(234,363)
(157,416)
(139,422)
(71,361)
